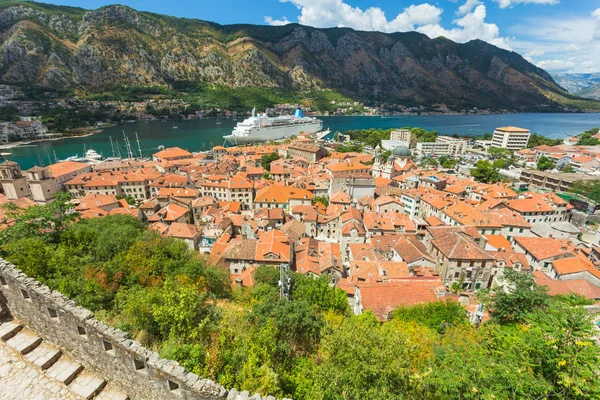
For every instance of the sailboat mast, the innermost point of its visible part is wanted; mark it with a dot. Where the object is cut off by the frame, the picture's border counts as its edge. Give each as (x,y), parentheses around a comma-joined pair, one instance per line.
(127,146)
(112,146)
(55,158)
(138,143)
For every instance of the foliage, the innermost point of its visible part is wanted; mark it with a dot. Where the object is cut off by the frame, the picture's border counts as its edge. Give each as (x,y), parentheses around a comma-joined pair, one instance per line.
(536,140)
(267,159)
(421,135)
(321,199)
(568,169)
(429,162)
(587,139)
(521,297)
(350,148)
(309,347)
(9,114)
(485,172)
(448,162)
(545,163)
(572,299)
(267,275)
(589,189)
(433,315)
(318,293)
(498,152)
(370,137)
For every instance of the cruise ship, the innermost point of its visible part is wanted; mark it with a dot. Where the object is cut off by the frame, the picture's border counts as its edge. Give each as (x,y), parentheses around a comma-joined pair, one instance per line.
(261,128)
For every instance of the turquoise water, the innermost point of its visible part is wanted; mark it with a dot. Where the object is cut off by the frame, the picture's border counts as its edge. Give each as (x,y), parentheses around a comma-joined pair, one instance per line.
(196,135)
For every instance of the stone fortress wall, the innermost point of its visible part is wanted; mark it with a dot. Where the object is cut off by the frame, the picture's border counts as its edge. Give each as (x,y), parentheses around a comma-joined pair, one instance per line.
(141,373)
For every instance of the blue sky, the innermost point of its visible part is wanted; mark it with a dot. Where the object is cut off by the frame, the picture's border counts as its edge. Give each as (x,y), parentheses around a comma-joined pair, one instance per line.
(557,35)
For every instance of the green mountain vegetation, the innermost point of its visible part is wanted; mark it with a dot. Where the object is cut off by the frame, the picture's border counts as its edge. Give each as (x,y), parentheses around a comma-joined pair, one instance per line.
(118,53)
(309,346)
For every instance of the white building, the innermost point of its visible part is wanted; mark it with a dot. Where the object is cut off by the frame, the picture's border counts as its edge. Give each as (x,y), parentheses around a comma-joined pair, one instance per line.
(444,145)
(402,135)
(511,138)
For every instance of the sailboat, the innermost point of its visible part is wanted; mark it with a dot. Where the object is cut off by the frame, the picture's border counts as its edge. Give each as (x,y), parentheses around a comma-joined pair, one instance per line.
(174,126)
(218,121)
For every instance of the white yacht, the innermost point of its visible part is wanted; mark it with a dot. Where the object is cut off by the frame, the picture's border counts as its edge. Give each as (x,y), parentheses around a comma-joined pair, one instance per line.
(261,128)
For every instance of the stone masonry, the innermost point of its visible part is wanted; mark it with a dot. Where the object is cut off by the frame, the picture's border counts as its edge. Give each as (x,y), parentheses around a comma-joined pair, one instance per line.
(99,348)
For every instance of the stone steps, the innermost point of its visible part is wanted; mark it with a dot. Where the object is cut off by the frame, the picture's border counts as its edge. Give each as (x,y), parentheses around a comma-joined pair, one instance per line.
(44,356)
(9,329)
(58,366)
(24,341)
(87,385)
(111,392)
(64,370)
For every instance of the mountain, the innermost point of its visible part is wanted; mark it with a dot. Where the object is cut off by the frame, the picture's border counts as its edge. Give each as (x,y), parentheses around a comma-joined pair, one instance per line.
(85,51)
(583,84)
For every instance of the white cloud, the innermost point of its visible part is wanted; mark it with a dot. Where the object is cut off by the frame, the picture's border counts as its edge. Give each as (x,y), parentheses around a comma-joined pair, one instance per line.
(588,66)
(328,13)
(276,22)
(596,16)
(424,18)
(535,53)
(467,7)
(508,3)
(556,65)
(471,26)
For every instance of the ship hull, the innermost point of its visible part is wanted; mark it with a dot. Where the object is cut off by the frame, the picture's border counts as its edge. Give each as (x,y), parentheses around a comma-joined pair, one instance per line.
(265,134)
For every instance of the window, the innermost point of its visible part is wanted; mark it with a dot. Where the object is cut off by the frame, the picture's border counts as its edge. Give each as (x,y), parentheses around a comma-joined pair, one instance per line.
(456,275)
(81,331)
(52,313)
(511,229)
(521,230)
(458,263)
(139,365)
(108,347)
(173,386)
(3,281)
(25,294)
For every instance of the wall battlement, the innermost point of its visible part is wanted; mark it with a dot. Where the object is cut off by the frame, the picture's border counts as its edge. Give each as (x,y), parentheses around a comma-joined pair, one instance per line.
(140,372)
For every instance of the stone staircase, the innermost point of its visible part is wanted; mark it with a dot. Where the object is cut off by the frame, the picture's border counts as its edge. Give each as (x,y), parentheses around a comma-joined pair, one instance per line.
(56,365)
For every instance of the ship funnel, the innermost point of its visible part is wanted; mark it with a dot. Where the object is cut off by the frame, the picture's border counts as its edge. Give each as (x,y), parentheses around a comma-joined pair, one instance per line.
(298,113)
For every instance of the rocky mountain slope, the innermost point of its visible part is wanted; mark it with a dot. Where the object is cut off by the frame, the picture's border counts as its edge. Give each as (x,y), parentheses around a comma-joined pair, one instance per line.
(584,84)
(63,47)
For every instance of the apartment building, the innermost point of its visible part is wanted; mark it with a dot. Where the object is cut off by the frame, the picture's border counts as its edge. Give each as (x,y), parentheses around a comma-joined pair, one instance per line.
(511,138)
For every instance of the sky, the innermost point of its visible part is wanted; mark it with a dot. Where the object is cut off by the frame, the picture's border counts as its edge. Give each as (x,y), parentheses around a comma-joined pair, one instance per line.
(557,35)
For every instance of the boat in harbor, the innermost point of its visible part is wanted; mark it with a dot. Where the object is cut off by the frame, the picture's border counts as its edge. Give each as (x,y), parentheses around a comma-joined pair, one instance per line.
(91,156)
(262,128)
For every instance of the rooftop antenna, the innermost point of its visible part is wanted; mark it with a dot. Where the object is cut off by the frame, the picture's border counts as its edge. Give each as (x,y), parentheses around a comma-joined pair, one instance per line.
(139,147)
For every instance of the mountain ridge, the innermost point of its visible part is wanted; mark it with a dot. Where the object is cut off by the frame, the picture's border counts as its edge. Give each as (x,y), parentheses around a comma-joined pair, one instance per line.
(64,47)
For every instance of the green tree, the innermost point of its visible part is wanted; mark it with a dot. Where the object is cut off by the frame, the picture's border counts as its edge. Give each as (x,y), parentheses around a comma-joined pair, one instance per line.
(485,172)
(448,162)
(321,199)
(519,296)
(267,274)
(536,140)
(568,169)
(545,163)
(267,159)
(319,294)
(432,315)
(564,351)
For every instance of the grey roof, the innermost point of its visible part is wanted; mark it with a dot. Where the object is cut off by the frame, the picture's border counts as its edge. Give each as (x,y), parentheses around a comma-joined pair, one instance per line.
(401,151)
(566,227)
